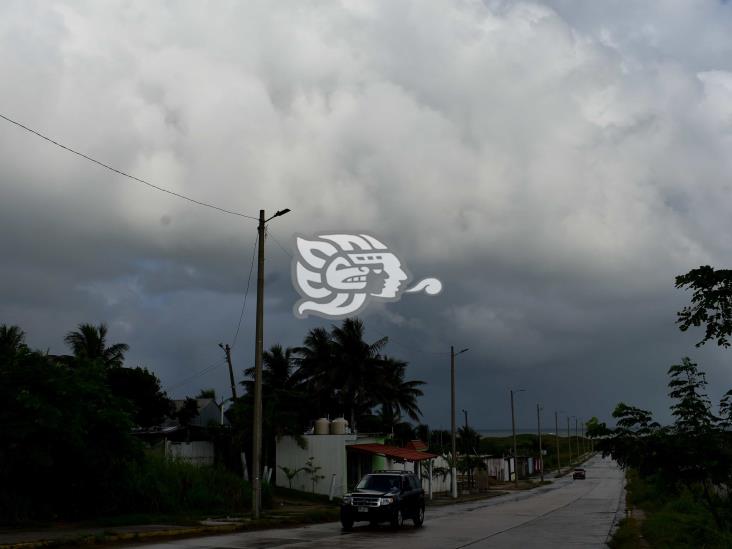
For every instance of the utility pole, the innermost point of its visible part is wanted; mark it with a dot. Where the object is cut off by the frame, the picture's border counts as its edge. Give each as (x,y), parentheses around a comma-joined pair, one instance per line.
(556,433)
(576,437)
(227,350)
(453,467)
(513,430)
(569,442)
(258,350)
(541,457)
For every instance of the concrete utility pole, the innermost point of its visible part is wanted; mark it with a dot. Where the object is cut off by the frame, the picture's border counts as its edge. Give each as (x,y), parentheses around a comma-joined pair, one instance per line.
(513,430)
(227,351)
(569,442)
(453,466)
(556,433)
(258,350)
(541,457)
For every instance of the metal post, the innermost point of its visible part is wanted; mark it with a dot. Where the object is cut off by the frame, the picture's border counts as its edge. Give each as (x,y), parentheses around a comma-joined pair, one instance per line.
(556,436)
(429,482)
(576,438)
(569,442)
(453,468)
(541,458)
(515,455)
(258,349)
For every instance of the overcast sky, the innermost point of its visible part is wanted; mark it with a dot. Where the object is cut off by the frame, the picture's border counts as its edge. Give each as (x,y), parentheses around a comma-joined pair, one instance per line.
(554,164)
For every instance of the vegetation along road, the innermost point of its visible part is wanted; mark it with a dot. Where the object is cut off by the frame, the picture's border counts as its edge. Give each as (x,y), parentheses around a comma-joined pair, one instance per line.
(568,513)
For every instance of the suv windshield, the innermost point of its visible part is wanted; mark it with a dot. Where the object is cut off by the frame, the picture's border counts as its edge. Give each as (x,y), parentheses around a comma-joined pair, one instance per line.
(379,483)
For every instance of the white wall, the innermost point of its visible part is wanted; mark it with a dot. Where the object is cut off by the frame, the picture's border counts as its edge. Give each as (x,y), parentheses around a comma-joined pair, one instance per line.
(329,452)
(198,452)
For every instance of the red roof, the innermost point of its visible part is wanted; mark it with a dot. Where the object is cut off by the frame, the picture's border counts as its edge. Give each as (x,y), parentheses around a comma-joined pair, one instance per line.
(417,445)
(405,454)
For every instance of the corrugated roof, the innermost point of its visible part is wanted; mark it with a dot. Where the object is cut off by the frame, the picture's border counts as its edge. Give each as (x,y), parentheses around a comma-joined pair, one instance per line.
(417,445)
(405,454)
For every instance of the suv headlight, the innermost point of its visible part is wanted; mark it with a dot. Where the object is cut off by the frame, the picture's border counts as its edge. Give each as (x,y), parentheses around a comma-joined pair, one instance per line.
(386,501)
(347,500)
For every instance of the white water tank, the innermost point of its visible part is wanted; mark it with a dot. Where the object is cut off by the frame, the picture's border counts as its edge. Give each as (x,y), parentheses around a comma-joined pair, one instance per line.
(338,426)
(322,426)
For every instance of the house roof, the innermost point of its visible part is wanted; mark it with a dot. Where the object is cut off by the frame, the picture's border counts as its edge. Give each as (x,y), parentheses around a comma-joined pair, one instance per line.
(405,454)
(417,445)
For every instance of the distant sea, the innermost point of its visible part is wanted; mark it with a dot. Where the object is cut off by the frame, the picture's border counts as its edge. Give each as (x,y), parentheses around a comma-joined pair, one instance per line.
(507,432)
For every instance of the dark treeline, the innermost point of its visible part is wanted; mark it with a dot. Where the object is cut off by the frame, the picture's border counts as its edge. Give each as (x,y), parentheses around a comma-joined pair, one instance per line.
(67,449)
(681,474)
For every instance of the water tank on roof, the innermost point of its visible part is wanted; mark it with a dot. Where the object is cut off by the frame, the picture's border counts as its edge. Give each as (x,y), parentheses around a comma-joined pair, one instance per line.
(322,426)
(338,426)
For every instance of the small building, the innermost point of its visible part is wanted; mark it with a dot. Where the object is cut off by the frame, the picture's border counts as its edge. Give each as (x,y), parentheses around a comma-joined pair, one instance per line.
(341,459)
(190,442)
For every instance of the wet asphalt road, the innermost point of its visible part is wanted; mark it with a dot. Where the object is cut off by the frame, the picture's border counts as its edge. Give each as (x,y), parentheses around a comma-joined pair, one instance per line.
(569,513)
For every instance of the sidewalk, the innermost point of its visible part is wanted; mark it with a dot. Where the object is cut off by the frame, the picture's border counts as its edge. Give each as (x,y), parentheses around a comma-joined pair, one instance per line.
(282,517)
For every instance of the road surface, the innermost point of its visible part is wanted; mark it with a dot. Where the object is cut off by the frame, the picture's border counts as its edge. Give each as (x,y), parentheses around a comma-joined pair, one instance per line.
(568,513)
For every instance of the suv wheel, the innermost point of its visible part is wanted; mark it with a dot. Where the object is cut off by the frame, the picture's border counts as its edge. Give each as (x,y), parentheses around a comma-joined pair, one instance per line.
(419,517)
(397,519)
(347,524)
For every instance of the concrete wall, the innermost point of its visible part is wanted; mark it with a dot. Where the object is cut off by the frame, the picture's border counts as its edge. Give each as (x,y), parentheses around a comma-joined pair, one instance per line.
(328,451)
(198,452)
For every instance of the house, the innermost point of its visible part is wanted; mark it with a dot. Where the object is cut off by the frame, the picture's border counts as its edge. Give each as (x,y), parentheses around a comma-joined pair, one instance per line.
(339,460)
(190,442)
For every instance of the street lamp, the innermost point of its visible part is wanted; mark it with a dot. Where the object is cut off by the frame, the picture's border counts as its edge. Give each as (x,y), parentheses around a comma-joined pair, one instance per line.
(453,468)
(513,429)
(539,408)
(258,349)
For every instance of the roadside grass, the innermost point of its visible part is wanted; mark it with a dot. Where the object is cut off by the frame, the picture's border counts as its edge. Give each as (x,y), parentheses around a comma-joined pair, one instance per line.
(627,536)
(674,518)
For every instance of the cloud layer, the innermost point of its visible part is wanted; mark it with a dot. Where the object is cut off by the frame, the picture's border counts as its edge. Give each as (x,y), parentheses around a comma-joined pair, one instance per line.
(554,164)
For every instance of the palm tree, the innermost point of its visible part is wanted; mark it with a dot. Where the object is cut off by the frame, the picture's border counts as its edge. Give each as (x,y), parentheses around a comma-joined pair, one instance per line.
(12,342)
(396,394)
(282,397)
(343,373)
(89,342)
(315,372)
(356,376)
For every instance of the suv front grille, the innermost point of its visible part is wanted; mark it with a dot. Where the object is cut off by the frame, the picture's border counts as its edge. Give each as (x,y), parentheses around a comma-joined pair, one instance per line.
(365,501)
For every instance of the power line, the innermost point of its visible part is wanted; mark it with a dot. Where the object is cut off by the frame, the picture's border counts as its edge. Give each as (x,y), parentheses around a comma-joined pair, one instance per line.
(269,233)
(246,292)
(194,376)
(120,172)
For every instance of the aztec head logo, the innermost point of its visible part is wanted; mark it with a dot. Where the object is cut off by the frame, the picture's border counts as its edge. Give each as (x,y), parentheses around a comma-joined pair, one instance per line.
(337,275)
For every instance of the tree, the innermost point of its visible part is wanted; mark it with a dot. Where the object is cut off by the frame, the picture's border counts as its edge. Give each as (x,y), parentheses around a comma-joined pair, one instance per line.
(150,404)
(207,393)
(12,342)
(66,439)
(711,303)
(357,360)
(90,342)
(291,473)
(282,399)
(313,471)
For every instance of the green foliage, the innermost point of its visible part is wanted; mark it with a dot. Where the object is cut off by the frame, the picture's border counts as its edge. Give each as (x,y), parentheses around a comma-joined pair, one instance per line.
(675,517)
(711,303)
(150,404)
(313,471)
(157,485)
(66,438)
(89,343)
(290,473)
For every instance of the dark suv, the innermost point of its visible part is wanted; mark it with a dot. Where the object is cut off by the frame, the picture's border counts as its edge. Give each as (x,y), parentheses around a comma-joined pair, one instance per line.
(384,496)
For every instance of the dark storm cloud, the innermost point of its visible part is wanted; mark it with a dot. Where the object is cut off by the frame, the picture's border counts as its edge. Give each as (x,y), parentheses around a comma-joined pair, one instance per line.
(554,164)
